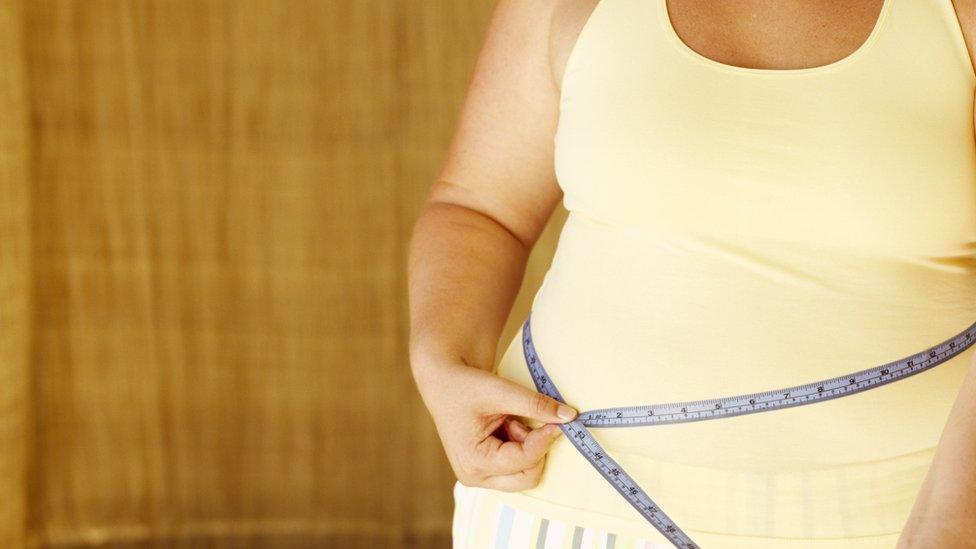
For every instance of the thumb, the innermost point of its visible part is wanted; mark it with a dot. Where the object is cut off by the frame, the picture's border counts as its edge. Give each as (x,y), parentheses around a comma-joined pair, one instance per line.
(511,398)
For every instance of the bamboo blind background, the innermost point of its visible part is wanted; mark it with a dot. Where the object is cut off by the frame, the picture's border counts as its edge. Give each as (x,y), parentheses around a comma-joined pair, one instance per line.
(205,214)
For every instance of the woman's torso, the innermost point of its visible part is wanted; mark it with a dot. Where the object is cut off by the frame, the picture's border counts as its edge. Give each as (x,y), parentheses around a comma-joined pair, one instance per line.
(733,230)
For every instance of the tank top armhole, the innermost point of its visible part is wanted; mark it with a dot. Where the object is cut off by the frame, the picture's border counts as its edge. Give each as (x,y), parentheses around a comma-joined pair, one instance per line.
(579,44)
(958,38)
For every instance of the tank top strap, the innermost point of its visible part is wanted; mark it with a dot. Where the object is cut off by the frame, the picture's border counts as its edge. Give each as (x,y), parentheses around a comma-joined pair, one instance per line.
(942,21)
(612,26)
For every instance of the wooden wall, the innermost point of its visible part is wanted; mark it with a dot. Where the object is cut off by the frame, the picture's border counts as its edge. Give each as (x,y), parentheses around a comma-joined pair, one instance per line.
(15,271)
(206,209)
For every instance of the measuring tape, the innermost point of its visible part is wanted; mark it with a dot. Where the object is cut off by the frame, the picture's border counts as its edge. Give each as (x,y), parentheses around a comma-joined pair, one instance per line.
(716,408)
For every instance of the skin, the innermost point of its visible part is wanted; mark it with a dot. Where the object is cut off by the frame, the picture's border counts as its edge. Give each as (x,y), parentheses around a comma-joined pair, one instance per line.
(496,191)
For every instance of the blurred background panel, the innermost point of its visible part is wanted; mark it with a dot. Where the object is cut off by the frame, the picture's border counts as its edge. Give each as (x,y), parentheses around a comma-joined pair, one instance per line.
(206,211)
(15,272)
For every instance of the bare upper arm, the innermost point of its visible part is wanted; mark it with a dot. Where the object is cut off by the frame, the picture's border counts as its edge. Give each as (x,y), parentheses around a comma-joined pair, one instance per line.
(501,159)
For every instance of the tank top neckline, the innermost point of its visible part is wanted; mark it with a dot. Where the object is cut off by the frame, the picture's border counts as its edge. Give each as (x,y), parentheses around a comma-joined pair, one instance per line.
(672,36)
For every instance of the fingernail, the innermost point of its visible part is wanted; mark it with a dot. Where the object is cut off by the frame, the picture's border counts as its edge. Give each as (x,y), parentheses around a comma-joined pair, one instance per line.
(565,412)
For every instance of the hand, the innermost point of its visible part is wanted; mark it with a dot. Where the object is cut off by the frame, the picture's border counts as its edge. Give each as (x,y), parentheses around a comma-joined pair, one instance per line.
(472,410)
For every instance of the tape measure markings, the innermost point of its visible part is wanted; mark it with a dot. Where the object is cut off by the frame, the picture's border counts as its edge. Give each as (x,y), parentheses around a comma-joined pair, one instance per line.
(698,410)
(581,438)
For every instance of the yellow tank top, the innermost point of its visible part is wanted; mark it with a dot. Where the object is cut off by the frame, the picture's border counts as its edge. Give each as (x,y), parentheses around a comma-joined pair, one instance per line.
(733,230)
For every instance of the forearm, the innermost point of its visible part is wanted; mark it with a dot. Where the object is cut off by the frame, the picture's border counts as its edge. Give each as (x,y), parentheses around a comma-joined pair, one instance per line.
(464,272)
(944,513)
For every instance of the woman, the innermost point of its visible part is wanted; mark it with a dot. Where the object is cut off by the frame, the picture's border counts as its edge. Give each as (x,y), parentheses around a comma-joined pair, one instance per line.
(761,194)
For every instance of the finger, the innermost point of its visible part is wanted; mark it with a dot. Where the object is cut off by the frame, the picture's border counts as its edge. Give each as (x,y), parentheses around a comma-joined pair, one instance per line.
(494,426)
(517,481)
(538,441)
(511,398)
(516,430)
(503,458)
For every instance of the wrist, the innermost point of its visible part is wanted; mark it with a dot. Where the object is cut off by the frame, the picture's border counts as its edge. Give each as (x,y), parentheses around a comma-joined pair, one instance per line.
(424,355)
